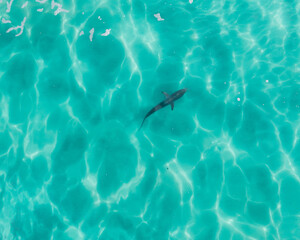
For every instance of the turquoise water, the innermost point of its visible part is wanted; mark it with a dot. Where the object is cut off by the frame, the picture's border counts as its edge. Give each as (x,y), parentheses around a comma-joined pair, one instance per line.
(77,79)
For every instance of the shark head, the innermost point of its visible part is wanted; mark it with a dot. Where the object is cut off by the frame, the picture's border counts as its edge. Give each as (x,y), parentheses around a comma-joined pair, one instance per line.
(183,91)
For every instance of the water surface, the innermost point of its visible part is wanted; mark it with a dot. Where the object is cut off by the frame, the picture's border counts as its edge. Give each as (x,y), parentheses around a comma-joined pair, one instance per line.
(77,79)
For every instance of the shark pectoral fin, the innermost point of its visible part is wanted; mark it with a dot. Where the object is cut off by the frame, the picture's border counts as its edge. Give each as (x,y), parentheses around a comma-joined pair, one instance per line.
(172,105)
(166,95)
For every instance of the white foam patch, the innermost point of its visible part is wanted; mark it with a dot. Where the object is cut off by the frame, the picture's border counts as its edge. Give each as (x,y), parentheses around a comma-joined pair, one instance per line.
(190,1)
(99,18)
(40,10)
(238,99)
(158,17)
(92,34)
(41,1)
(59,8)
(81,33)
(267,81)
(107,32)
(16,28)
(5,21)
(9,5)
(54,4)
(25,4)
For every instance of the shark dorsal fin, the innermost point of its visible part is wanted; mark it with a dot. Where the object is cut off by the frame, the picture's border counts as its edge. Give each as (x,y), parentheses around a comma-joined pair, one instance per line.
(164,93)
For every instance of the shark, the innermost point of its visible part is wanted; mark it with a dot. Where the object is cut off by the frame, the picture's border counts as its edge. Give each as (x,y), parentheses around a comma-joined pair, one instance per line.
(170,99)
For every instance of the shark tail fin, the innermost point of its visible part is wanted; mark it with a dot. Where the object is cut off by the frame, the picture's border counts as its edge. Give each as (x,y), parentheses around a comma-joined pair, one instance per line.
(172,105)
(142,124)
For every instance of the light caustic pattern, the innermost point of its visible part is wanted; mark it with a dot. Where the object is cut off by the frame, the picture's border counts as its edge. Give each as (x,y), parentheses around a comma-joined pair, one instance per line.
(78,77)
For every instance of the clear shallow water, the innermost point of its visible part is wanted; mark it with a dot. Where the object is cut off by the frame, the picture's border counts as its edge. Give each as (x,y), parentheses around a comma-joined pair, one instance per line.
(76,81)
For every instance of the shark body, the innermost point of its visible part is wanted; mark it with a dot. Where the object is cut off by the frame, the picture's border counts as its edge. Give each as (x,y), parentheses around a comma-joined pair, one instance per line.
(170,99)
